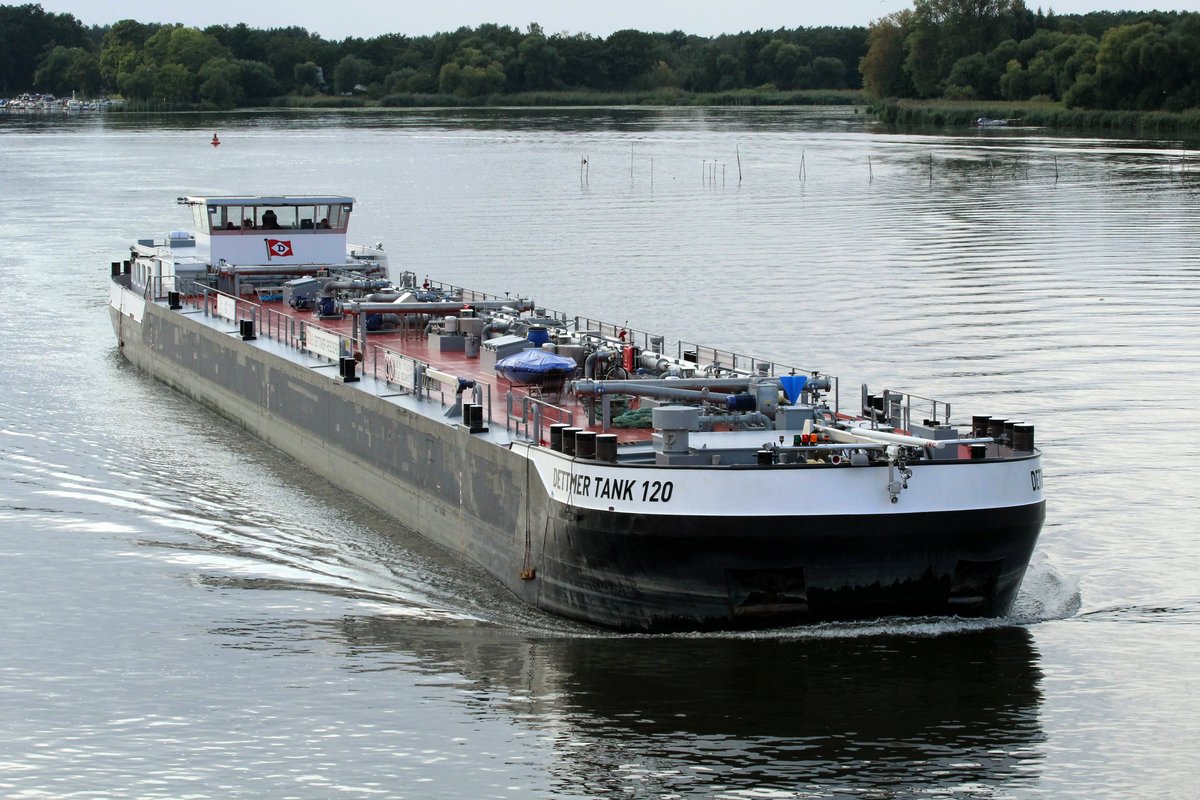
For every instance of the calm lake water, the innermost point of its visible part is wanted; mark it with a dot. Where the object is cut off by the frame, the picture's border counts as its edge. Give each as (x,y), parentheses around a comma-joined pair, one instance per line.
(186,613)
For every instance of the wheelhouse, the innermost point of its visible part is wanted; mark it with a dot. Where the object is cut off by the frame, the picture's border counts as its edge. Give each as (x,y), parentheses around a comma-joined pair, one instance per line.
(285,230)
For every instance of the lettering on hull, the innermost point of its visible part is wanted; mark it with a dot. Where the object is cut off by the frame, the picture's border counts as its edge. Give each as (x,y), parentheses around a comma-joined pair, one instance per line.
(603,488)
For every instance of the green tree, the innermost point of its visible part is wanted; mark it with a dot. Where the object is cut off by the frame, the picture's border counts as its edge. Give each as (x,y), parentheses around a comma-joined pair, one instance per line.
(944,31)
(583,61)
(174,83)
(27,33)
(138,83)
(242,41)
(477,66)
(629,54)
(348,73)
(307,75)
(69,69)
(1125,78)
(185,47)
(1006,51)
(220,83)
(258,81)
(121,49)
(287,47)
(1015,83)
(1073,58)
(922,52)
(468,80)
(729,72)
(828,73)
(882,67)
(780,62)
(1082,93)
(1039,42)
(976,72)
(538,63)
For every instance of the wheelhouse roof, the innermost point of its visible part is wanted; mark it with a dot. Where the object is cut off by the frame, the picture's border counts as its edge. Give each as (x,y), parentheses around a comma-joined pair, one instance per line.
(288,200)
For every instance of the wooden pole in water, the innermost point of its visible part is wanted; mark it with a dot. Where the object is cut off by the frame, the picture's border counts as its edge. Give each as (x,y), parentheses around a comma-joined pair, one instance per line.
(870,171)
(931,169)
(802,172)
(738,151)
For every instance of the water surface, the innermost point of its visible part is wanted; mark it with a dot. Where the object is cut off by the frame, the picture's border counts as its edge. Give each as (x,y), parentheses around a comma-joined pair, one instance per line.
(185,612)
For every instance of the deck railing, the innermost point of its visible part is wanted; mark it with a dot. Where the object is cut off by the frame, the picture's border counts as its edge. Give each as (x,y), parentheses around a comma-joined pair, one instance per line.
(898,407)
(535,416)
(534,413)
(413,375)
(422,379)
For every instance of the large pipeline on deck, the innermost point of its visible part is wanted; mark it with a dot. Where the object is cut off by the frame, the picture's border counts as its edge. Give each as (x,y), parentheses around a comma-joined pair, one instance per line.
(674,390)
(294,269)
(854,435)
(434,308)
(626,386)
(352,285)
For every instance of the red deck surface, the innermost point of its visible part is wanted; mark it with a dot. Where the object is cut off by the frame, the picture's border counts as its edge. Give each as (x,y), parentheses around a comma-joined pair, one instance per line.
(414,343)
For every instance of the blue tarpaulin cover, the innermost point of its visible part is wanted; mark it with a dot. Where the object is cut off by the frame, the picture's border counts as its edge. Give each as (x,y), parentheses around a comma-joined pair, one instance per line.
(528,366)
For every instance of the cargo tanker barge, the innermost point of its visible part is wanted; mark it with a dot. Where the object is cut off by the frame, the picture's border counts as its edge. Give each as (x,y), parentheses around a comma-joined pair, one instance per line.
(599,472)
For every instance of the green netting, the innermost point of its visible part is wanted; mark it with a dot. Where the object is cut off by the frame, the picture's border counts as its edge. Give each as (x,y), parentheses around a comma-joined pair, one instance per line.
(634,418)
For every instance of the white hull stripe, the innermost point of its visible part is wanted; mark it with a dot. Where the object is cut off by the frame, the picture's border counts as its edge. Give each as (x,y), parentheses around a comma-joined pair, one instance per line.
(832,491)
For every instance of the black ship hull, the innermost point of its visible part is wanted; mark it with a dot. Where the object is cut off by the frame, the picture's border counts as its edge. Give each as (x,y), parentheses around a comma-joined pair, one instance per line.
(686,572)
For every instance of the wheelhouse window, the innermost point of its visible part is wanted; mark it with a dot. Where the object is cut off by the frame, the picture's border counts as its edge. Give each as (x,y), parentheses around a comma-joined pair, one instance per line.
(277,217)
(229,219)
(338,215)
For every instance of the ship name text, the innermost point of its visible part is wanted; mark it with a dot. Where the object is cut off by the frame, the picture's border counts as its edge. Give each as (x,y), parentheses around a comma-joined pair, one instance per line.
(604,488)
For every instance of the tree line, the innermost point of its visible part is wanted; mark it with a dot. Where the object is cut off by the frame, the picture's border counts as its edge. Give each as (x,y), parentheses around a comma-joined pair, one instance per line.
(952,49)
(999,49)
(223,66)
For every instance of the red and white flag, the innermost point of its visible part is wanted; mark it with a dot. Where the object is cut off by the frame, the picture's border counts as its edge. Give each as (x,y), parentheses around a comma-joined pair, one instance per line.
(279,248)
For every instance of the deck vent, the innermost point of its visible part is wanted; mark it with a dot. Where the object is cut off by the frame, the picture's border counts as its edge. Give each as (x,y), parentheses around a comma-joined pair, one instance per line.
(674,422)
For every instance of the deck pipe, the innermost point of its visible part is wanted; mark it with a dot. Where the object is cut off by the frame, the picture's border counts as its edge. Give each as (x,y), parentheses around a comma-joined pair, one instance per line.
(357,307)
(752,418)
(330,287)
(268,269)
(628,386)
(869,434)
(589,363)
(666,390)
(495,326)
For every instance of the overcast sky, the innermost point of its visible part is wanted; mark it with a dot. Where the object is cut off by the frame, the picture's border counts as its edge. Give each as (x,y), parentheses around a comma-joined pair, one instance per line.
(337,19)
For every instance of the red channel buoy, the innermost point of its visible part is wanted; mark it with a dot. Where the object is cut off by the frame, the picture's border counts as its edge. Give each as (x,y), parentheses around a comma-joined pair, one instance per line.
(215,141)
